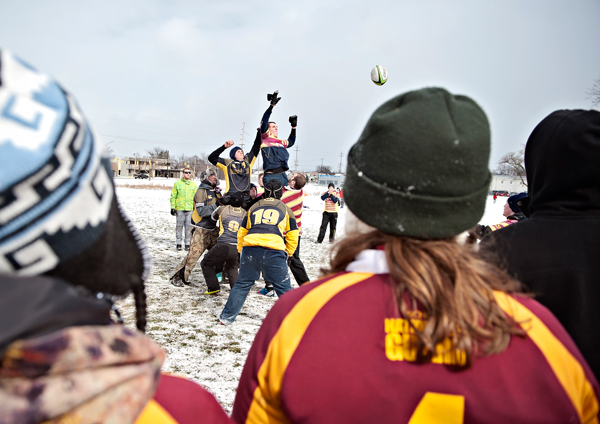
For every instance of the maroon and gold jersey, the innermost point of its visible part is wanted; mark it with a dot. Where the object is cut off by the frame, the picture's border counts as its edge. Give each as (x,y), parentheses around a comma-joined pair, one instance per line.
(180,401)
(333,351)
(295,200)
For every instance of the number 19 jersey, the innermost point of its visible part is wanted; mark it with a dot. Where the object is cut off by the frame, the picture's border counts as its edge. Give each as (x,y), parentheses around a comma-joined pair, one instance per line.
(270,223)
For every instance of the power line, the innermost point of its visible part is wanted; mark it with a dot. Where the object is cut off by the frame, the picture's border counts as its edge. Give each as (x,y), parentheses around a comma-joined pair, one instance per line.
(149,132)
(135,123)
(153,118)
(157,141)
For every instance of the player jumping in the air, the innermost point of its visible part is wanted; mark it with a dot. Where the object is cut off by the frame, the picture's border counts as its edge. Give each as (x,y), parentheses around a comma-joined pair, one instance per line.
(274,150)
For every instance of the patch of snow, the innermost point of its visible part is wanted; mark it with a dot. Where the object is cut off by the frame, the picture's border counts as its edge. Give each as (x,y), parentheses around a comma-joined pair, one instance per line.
(183,320)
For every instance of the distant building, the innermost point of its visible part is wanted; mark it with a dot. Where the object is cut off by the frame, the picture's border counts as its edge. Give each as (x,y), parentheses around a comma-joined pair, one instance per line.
(129,166)
(325,180)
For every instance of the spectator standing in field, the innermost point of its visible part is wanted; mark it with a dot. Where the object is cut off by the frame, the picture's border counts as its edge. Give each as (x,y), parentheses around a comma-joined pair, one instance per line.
(409,324)
(267,237)
(274,150)
(238,169)
(341,197)
(294,198)
(182,206)
(555,252)
(224,255)
(67,249)
(330,214)
(204,235)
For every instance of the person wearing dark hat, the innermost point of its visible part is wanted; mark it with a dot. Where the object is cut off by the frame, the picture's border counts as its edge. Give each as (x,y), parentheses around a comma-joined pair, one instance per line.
(238,169)
(512,213)
(294,198)
(330,214)
(204,236)
(224,255)
(555,251)
(267,237)
(67,251)
(408,319)
(274,150)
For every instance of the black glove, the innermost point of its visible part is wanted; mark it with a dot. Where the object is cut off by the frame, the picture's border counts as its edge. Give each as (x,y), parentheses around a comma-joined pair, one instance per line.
(294,121)
(173,212)
(273,98)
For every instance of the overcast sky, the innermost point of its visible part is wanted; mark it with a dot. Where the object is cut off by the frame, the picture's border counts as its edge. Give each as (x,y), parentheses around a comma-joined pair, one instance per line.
(187,75)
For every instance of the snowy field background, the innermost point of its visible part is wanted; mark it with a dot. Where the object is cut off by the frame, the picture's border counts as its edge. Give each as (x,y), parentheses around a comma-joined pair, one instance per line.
(183,320)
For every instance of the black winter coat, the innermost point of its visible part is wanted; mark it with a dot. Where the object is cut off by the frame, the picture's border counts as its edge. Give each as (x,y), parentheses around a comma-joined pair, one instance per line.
(556,252)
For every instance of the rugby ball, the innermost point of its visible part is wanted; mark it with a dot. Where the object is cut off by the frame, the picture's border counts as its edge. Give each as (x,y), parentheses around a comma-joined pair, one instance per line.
(379,75)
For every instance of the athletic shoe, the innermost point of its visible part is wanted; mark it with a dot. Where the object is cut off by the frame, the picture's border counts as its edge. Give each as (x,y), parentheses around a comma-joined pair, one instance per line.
(187,247)
(178,247)
(176,281)
(266,292)
(212,292)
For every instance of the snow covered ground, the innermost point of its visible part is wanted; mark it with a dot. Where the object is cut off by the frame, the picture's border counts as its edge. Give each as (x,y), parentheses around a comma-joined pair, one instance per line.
(184,320)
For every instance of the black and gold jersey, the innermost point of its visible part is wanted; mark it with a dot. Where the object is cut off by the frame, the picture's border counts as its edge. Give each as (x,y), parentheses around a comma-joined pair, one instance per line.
(230,220)
(237,173)
(270,223)
(204,197)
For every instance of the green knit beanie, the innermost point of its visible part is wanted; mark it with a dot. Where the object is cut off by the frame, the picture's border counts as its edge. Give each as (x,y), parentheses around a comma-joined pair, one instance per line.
(420,167)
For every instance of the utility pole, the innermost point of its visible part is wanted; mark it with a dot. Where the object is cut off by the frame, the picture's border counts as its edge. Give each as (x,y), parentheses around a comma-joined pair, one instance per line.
(321,170)
(296,161)
(341,154)
(243,130)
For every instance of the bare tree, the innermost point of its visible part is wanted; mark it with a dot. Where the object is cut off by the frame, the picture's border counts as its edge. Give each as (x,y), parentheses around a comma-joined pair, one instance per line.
(593,93)
(158,153)
(198,163)
(324,169)
(513,164)
(177,162)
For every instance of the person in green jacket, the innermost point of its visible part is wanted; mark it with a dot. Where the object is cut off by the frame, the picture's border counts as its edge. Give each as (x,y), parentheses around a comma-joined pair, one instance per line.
(182,206)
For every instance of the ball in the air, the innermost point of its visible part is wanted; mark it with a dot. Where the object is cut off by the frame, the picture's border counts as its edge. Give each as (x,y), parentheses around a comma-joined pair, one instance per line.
(379,75)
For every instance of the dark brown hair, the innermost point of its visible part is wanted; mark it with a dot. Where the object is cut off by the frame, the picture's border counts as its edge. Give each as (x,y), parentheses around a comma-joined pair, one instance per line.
(451,283)
(299,181)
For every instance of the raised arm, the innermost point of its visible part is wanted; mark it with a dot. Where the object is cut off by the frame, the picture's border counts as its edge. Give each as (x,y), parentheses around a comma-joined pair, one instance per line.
(264,123)
(255,147)
(274,99)
(292,137)
(214,156)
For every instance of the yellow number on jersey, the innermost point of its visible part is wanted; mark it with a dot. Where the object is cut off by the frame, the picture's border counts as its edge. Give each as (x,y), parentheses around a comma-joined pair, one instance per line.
(233,226)
(266,216)
(439,408)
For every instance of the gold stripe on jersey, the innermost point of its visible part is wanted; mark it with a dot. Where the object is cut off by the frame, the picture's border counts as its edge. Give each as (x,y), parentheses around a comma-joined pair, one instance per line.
(154,413)
(281,235)
(567,369)
(265,403)
(223,167)
(294,203)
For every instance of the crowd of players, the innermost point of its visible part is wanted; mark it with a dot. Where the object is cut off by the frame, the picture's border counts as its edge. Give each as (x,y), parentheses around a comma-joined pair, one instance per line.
(411,322)
(259,233)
